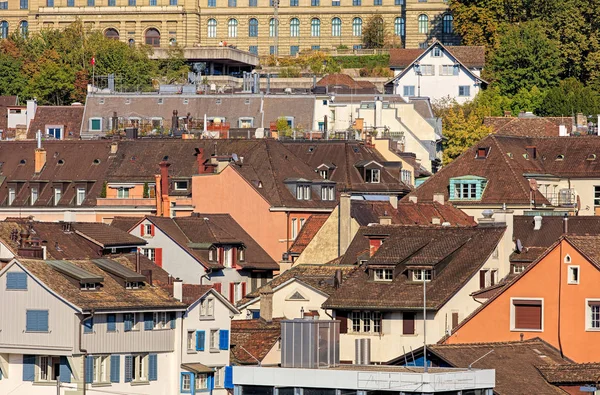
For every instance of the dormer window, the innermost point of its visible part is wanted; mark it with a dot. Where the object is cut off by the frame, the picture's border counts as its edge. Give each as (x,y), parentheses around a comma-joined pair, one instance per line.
(12,193)
(211,254)
(181,185)
(302,192)
(241,254)
(324,174)
(373,176)
(467,188)
(133,285)
(328,192)
(422,275)
(383,274)
(436,52)
(482,152)
(88,286)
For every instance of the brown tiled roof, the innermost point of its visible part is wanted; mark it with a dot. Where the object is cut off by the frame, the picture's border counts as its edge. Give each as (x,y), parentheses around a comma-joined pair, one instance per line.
(455,254)
(159,275)
(345,155)
(532,127)
(422,106)
(106,235)
(69,117)
(125,223)
(516,363)
(346,83)
(191,292)
(312,225)
(6,101)
(111,295)
(470,56)
(213,229)
(574,373)
(252,340)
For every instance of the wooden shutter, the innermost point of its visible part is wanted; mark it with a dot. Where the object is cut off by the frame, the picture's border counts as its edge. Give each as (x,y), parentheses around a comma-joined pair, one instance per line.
(408,323)
(454,319)
(232,292)
(111,322)
(89,369)
(152,230)
(528,314)
(223,339)
(142,229)
(115,368)
(482,279)
(64,370)
(200,340)
(128,368)
(148,322)
(152,367)
(158,256)
(343,317)
(217,287)
(28,367)
(243,290)
(234,257)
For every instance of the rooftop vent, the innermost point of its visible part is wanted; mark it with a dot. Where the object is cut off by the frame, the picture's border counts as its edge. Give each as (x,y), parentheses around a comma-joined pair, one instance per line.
(591,157)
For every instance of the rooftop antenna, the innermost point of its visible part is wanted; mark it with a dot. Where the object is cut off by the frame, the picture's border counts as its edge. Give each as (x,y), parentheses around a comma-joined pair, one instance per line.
(480,358)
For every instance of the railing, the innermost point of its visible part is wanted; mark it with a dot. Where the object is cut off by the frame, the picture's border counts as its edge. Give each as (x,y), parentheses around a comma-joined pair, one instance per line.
(562,198)
(127,201)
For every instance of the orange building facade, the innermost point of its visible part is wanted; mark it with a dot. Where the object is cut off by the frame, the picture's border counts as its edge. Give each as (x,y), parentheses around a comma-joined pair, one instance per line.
(556,299)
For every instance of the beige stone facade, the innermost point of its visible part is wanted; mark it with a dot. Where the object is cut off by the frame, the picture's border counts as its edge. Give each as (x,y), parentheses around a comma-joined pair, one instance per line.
(303,24)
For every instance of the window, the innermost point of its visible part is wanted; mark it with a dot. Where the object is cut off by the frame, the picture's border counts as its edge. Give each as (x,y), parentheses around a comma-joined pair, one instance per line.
(122,193)
(408,90)
(406,177)
(518,268)
(95,124)
(421,275)
(186,382)
(335,3)
(133,285)
(100,370)
(217,377)
(80,196)
(408,323)
(427,69)
(377,2)
(398,2)
(357,27)
(252,3)
(48,368)
(148,229)
(49,3)
(232,27)
(159,320)
(111,3)
(294,27)
(465,191)
(211,254)
(447,24)
(34,195)
(449,70)
(356,3)
(253,49)
(191,344)
(207,307)
(327,193)
(294,49)
(596,196)
(399,27)
(129,321)
(212,28)
(36,321)
(315,47)
(315,27)
(372,176)
(4,28)
(436,52)
(366,321)
(273,50)
(314,3)
(88,287)
(423,24)
(464,90)
(383,274)
(212,3)
(303,192)
(172,2)
(273,27)
(214,339)
(336,27)
(293,3)
(201,381)
(4,6)
(16,281)
(593,315)
(11,195)
(573,275)
(253,32)
(140,368)
(181,185)
(232,3)
(152,37)
(527,314)
(241,254)
(131,3)
(23,4)
(150,253)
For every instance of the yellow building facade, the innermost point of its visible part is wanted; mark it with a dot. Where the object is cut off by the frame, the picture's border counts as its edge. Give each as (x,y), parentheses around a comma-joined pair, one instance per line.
(249,25)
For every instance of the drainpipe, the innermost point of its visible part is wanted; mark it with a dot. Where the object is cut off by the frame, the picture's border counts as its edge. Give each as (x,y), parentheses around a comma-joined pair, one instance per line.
(287,225)
(82,350)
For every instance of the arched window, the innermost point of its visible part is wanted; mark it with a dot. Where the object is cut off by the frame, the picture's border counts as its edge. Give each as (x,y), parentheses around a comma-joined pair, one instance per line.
(232,26)
(111,34)
(423,24)
(294,27)
(24,28)
(273,30)
(131,42)
(357,27)
(399,27)
(152,37)
(253,28)
(3,29)
(212,28)
(336,27)
(315,27)
(447,24)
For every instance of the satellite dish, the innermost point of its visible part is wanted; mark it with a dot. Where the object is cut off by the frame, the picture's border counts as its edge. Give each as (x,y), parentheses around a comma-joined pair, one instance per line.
(533,184)
(519,246)
(235,157)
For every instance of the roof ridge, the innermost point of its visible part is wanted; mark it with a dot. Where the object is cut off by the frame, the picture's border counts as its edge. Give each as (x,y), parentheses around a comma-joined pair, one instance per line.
(505,159)
(273,171)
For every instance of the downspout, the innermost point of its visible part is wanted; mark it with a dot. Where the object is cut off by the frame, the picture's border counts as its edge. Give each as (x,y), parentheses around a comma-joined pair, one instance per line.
(339,230)
(287,225)
(559,296)
(84,351)
(205,275)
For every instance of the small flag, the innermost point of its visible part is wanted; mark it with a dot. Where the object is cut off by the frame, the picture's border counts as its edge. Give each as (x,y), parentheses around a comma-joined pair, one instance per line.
(93,61)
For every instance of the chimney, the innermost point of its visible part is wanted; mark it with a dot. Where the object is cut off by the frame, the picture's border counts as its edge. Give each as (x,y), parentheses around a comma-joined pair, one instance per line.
(148,275)
(413,199)
(438,198)
(537,220)
(345,223)
(114,148)
(338,278)
(266,303)
(115,122)
(31,110)
(200,159)
(385,220)
(164,177)
(566,224)
(394,201)
(178,289)
(40,159)
(436,221)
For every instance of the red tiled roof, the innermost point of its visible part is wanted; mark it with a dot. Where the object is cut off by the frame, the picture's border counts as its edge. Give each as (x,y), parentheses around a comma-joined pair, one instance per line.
(69,117)
(312,225)
(253,339)
(191,292)
(532,127)
(125,223)
(470,56)
(574,373)
(6,101)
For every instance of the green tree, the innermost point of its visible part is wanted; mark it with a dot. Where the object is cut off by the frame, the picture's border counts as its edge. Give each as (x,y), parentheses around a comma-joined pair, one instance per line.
(374,32)
(570,98)
(283,127)
(461,131)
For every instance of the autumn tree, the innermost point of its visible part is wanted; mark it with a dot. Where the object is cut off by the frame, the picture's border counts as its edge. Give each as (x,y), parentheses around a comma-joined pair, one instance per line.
(374,32)
(461,131)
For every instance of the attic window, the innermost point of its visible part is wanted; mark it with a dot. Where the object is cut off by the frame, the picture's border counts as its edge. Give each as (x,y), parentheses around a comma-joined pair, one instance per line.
(355,149)
(186,101)
(591,157)
(467,188)
(133,285)
(101,101)
(422,275)
(383,274)
(96,161)
(181,185)
(160,101)
(22,162)
(212,252)
(127,101)
(88,287)
(482,152)
(311,149)
(302,192)
(436,52)
(247,101)
(509,154)
(560,157)
(372,176)
(218,101)
(61,162)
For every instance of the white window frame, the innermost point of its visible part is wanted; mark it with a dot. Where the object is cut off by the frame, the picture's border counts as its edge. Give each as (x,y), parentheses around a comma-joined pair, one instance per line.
(150,253)
(178,188)
(201,381)
(375,176)
(327,192)
(427,69)
(122,193)
(186,382)
(459,191)
(140,368)
(227,257)
(207,308)
(213,341)
(101,371)
(92,121)
(160,320)
(512,315)
(191,341)
(463,87)
(567,258)
(218,376)
(366,321)
(518,268)
(12,195)
(80,196)
(57,195)
(294,227)
(588,315)
(383,274)
(436,52)
(34,195)
(417,275)
(570,270)
(49,368)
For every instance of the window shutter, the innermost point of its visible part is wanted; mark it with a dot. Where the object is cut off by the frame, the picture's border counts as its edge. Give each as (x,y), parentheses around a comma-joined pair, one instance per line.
(16,281)
(65,370)
(173,318)
(210,382)
(234,257)
(228,377)
(148,322)
(115,368)
(482,279)
(528,314)
(28,367)
(152,367)
(142,229)
(158,256)
(128,368)
(243,290)
(152,231)
(128,322)
(88,326)
(343,317)
(408,323)
(217,287)
(232,292)
(200,340)
(454,319)
(223,339)
(36,320)
(89,369)
(111,322)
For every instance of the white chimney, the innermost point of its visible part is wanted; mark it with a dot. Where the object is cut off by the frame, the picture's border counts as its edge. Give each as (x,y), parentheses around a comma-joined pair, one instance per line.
(412,199)
(537,222)
(31,109)
(439,198)
(178,289)
(394,201)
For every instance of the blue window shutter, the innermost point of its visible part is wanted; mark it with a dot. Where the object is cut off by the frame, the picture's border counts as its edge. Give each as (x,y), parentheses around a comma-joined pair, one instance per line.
(210,382)
(148,322)
(224,339)
(16,281)
(28,367)
(115,368)
(128,322)
(152,367)
(89,369)
(36,321)
(200,340)
(173,318)
(128,368)
(111,322)
(65,370)
(88,326)
(228,377)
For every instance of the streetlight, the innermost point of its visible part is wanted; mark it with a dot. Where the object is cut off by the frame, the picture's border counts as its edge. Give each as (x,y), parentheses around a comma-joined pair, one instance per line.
(419,73)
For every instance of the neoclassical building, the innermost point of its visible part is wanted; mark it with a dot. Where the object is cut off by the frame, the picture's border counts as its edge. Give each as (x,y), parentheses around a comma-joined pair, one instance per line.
(249,25)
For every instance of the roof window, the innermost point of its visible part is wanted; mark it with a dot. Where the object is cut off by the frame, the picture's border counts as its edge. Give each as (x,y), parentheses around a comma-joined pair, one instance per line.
(96,161)
(421,275)
(383,275)
(311,148)
(531,152)
(61,162)
(560,157)
(591,157)
(23,161)
(482,152)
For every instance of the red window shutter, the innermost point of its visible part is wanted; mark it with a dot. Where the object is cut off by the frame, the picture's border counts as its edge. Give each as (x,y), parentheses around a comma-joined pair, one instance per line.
(528,314)
(217,287)
(234,257)
(231,292)
(221,253)
(158,256)
(142,229)
(408,323)
(152,230)
(343,317)
(243,290)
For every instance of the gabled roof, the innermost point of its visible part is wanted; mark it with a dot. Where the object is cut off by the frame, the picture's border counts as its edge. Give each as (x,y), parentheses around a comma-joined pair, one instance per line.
(571,374)
(532,127)
(252,340)
(470,56)
(125,223)
(312,225)
(69,117)
(456,254)
(106,236)
(194,292)
(346,84)
(5,102)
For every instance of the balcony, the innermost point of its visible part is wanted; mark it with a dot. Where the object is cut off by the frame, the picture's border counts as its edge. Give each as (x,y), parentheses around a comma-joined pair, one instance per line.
(126,201)
(562,198)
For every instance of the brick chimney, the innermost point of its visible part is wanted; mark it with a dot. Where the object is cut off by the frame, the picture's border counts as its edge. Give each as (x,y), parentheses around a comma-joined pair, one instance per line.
(266,303)
(202,168)
(178,289)
(438,198)
(164,188)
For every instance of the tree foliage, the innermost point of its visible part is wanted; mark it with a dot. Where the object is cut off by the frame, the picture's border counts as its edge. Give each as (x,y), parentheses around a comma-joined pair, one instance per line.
(462,130)
(374,32)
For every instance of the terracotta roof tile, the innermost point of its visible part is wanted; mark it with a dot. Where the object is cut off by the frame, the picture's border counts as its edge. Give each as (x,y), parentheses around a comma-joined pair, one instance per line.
(252,340)
(191,292)
(69,117)
(532,127)
(574,374)
(125,223)
(312,225)
(470,56)
(6,101)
